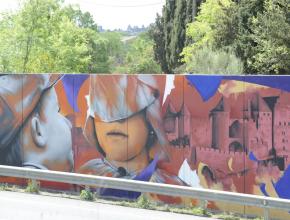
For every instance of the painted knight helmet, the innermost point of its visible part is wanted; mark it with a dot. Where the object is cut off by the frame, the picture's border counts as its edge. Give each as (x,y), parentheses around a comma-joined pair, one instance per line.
(116,97)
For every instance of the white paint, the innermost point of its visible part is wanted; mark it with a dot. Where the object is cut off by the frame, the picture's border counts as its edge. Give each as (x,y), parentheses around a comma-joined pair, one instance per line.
(168,86)
(188,175)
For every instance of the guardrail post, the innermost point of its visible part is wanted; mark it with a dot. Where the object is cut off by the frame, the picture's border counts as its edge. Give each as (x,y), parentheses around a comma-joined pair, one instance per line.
(203,204)
(266,214)
(266,210)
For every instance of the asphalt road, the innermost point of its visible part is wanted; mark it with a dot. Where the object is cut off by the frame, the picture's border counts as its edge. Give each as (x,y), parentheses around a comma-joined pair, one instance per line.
(35,207)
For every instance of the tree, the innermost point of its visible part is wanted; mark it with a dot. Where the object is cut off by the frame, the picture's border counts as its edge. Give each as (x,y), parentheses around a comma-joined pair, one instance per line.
(8,49)
(258,30)
(177,35)
(115,45)
(81,19)
(206,60)
(99,50)
(203,31)
(168,14)
(271,34)
(32,28)
(242,14)
(71,49)
(156,32)
(139,56)
(168,32)
(45,37)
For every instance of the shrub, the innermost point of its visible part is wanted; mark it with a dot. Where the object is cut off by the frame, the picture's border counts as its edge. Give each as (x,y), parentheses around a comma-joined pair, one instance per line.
(143,202)
(209,61)
(3,186)
(33,186)
(87,195)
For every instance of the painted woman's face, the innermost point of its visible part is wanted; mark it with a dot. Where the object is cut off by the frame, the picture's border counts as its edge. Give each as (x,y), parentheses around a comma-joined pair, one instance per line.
(123,140)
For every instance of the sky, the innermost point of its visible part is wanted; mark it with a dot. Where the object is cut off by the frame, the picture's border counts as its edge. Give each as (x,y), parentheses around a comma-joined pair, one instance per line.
(110,14)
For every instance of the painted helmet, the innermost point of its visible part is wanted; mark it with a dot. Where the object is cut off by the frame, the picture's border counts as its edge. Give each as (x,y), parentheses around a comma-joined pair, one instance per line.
(19,95)
(116,97)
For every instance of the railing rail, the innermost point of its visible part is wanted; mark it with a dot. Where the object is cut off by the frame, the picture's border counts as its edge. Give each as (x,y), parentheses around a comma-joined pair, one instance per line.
(147,187)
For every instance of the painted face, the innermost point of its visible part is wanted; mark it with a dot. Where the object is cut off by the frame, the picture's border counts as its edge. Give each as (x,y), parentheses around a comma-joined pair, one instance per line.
(123,140)
(56,153)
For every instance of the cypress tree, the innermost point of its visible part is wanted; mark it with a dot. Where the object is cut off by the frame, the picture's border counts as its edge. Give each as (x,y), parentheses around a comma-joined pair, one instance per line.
(170,32)
(156,32)
(168,14)
(177,35)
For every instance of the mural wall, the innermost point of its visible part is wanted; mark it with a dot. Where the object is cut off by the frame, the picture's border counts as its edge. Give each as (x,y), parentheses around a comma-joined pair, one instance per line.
(227,133)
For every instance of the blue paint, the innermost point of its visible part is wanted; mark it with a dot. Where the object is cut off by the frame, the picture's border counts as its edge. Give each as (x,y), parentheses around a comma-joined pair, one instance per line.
(205,85)
(252,157)
(263,189)
(277,82)
(145,175)
(283,184)
(72,85)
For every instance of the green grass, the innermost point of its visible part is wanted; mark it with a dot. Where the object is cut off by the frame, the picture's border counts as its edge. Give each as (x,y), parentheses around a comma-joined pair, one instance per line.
(3,186)
(87,195)
(33,186)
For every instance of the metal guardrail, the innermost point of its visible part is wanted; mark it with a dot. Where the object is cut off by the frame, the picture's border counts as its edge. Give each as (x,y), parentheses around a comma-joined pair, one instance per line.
(147,187)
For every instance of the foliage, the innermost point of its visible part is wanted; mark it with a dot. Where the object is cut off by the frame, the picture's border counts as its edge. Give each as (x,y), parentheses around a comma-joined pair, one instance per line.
(8,49)
(168,32)
(256,31)
(240,17)
(203,30)
(261,35)
(33,186)
(115,45)
(200,212)
(87,195)
(144,203)
(203,56)
(209,61)
(81,19)
(138,57)
(70,47)
(3,186)
(114,50)
(99,54)
(156,32)
(45,37)
(271,34)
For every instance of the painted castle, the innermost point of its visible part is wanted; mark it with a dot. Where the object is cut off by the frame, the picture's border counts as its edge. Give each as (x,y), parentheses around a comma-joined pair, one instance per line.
(231,141)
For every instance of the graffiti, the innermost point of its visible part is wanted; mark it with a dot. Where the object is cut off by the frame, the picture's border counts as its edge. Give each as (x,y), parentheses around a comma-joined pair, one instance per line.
(218,132)
(30,124)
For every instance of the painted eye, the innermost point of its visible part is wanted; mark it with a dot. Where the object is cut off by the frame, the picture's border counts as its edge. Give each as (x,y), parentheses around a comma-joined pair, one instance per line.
(58,109)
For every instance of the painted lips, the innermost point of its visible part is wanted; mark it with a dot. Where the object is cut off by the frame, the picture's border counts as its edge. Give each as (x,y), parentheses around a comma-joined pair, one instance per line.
(117,134)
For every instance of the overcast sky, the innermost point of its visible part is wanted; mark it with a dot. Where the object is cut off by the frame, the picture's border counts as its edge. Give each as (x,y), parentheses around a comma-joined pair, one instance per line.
(111,14)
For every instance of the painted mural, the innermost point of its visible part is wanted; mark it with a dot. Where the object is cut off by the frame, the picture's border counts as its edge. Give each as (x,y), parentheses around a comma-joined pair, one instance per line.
(227,133)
